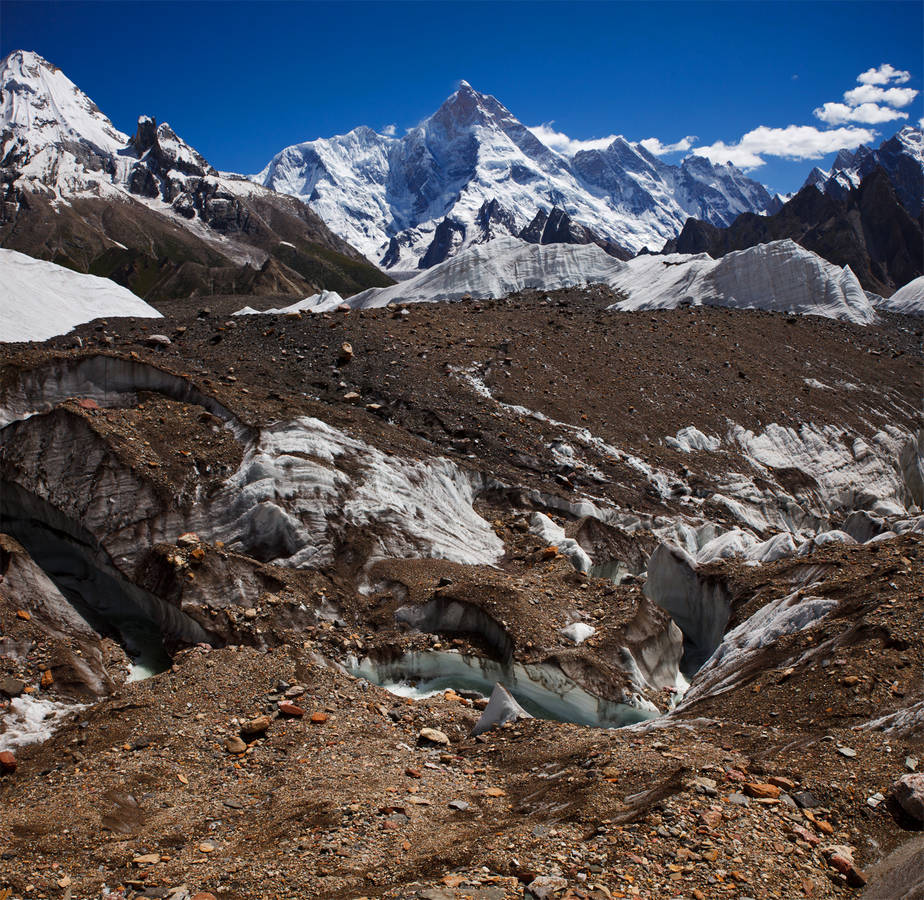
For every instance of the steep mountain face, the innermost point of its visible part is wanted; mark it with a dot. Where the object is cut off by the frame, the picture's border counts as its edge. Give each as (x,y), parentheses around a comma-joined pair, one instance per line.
(866,228)
(148,211)
(902,157)
(472,171)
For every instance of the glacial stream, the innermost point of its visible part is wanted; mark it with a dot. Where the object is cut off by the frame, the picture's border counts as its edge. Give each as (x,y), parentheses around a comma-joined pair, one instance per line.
(543,691)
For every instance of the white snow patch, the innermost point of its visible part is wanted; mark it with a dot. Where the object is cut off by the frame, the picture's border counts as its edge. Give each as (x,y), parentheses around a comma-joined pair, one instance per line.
(39,299)
(322,302)
(554,535)
(31,720)
(578,632)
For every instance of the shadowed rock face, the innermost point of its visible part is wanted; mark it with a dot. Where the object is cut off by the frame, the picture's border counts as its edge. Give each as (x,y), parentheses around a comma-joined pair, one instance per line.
(866,228)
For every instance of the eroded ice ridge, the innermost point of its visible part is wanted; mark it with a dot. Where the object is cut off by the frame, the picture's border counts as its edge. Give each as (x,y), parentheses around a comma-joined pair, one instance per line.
(305,485)
(908,300)
(844,472)
(743,645)
(779,276)
(301,488)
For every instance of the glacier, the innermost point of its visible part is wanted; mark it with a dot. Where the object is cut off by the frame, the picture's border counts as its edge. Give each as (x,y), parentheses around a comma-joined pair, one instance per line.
(780,276)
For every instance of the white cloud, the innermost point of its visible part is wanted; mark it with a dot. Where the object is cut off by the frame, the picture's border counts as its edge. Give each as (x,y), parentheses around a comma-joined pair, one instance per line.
(792,142)
(656,148)
(561,143)
(870,93)
(883,75)
(389,130)
(867,113)
(870,103)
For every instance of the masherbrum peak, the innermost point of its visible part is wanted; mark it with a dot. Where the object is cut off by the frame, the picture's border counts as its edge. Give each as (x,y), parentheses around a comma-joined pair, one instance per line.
(472,172)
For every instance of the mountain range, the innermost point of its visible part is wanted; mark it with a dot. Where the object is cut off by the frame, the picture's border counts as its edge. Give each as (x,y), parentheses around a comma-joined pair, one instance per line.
(152,214)
(472,171)
(148,210)
(901,157)
(865,227)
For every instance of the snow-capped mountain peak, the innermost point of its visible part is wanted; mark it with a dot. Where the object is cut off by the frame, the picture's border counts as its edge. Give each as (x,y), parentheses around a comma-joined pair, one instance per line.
(411,202)
(44,107)
(902,157)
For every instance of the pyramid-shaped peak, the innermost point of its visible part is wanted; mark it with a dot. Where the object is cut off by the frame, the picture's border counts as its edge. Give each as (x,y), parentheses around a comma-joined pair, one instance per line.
(43,106)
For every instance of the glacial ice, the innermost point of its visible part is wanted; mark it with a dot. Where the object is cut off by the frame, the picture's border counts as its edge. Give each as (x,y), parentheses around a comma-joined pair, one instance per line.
(32,720)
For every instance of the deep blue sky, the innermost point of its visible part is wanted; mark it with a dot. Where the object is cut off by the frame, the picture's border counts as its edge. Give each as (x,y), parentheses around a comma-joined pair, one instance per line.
(240,81)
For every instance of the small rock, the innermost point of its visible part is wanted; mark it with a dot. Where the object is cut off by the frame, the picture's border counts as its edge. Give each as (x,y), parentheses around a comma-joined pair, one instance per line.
(850,680)
(840,858)
(785,783)
(874,800)
(805,799)
(432,736)
(458,805)
(738,799)
(319,718)
(756,789)
(206,847)
(546,886)
(250,612)
(158,340)
(188,539)
(911,762)
(22,614)
(288,708)
(346,353)
(146,859)
(350,396)
(255,727)
(849,752)
(47,679)
(7,762)
(12,687)
(235,745)
(909,793)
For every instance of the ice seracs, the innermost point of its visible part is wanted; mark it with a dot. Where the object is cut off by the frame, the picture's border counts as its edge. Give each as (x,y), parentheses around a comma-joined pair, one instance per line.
(907,300)
(780,276)
(39,299)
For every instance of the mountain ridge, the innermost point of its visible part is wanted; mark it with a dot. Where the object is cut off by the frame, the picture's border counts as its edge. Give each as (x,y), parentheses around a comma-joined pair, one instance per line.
(148,210)
(388,196)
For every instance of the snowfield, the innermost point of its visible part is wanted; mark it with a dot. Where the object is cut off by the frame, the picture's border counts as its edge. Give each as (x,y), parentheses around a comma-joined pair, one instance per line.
(39,299)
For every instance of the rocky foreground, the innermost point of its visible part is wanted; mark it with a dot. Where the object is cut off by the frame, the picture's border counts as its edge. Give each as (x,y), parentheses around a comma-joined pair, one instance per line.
(285,502)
